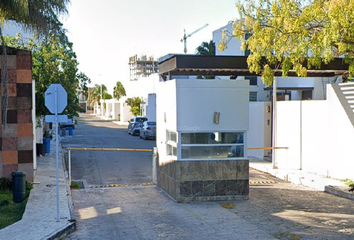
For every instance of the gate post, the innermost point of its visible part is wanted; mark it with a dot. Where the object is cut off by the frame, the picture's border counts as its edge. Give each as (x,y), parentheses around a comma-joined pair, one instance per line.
(154,170)
(69,163)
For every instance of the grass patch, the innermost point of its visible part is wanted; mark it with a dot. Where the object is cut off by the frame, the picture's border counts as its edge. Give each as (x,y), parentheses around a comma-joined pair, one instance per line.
(228,205)
(75,185)
(11,212)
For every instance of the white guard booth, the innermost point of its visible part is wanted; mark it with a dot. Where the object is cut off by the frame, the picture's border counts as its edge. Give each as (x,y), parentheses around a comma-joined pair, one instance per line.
(201,139)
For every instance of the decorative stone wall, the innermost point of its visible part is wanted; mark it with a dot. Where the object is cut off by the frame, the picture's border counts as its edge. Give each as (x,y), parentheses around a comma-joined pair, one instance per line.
(204,180)
(16,139)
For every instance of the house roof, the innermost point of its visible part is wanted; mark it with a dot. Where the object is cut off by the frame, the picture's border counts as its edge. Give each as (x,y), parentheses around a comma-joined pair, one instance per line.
(178,64)
(15,51)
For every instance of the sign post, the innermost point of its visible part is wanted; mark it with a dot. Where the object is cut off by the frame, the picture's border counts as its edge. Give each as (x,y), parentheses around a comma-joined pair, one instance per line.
(56,100)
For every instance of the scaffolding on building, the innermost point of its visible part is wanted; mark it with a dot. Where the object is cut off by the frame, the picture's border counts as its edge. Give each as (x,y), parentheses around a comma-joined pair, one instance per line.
(142,67)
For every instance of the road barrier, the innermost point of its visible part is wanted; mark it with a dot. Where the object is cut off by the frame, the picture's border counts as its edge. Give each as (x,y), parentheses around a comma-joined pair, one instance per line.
(273,161)
(268,148)
(154,150)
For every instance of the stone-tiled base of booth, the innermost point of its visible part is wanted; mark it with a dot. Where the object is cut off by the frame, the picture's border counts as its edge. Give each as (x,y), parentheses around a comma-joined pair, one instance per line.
(206,180)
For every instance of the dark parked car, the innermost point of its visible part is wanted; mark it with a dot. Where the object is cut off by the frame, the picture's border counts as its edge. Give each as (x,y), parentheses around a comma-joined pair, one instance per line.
(135,124)
(148,130)
(69,123)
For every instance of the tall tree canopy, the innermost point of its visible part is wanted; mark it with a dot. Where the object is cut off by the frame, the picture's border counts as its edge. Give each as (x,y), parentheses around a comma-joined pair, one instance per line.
(119,91)
(206,49)
(288,32)
(37,16)
(83,80)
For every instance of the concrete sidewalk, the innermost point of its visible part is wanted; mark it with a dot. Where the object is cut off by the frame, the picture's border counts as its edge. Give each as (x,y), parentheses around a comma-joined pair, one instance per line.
(299,177)
(39,219)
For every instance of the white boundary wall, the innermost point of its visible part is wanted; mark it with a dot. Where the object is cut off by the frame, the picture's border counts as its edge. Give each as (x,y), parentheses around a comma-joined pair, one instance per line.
(319,135)
(259,132)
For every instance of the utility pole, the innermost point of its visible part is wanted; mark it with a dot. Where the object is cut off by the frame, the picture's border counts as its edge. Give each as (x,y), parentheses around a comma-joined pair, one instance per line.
(185,36)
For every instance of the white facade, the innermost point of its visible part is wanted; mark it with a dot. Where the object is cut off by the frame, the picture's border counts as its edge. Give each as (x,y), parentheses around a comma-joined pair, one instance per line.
(189,106)
(260,129)
(319,135)
(116,110)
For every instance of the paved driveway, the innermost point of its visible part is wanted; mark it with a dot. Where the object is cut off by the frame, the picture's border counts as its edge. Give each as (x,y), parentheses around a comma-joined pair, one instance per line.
(275,210)
(102,168)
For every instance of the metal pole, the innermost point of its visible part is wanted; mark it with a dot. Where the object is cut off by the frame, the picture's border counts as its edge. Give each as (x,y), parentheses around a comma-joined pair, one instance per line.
(185,42)
(274,142)
(69,156)
(154,173)
(56,150)
(34,124)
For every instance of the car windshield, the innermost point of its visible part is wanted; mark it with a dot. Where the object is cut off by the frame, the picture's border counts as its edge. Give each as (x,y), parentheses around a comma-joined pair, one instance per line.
(151,123)
(141,119)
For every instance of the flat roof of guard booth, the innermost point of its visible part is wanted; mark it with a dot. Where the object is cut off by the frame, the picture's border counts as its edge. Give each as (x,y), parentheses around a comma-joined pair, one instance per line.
(193,65)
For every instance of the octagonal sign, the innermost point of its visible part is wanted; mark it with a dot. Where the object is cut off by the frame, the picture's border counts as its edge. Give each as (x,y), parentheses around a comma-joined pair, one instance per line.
(62,98)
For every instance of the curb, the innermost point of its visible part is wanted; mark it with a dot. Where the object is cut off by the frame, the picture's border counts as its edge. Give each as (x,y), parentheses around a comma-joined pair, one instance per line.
(338,192)
(63,232)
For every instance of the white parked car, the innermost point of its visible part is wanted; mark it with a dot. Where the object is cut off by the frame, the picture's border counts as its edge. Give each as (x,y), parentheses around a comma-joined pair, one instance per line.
(148,130)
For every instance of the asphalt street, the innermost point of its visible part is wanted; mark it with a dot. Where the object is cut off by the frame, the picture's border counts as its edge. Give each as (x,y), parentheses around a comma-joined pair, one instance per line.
(107,167)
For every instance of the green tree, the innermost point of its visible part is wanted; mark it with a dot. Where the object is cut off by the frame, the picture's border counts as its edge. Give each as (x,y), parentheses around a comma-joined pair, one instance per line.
(95,94)
(134,104)
(106,96)
(119,90)
(288,32)
(83,81)
(35,15)
(206,49)
(53,61)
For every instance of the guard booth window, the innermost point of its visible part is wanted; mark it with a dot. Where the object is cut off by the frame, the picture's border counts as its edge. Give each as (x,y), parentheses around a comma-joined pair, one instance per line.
(213,145)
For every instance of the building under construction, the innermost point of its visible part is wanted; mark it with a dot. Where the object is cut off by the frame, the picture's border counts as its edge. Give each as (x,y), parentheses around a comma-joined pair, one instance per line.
(142,67)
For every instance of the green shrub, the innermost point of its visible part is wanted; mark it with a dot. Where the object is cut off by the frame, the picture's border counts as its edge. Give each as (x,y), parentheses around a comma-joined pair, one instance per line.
(5,184)
(348,182)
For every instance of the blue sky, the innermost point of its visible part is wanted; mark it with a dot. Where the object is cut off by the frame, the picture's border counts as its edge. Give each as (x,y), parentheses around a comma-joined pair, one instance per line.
(106,33)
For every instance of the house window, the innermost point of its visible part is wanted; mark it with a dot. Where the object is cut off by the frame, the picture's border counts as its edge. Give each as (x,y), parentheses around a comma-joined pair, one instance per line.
(213,145)
(253,96)
(247,51)
(306,95)
(171,143)
(253,80)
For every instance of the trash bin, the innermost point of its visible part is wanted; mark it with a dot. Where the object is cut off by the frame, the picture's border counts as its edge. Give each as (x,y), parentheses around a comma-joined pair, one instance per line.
(18,186)
(70,130)
(46,142)
(63,131)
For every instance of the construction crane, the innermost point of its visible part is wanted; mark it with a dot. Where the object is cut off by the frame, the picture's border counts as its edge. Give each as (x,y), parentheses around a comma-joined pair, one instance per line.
(184,39)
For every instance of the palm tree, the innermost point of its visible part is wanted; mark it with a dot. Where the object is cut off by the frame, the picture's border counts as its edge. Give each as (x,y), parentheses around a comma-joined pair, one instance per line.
(206,49)
(134,103)
(95,94)
(119,91)
(35,15)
